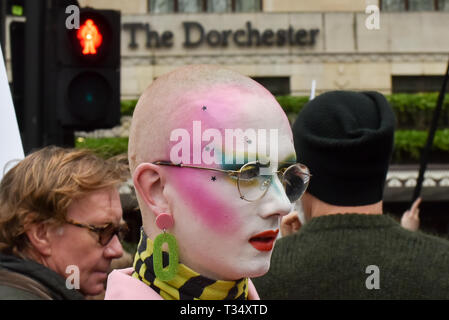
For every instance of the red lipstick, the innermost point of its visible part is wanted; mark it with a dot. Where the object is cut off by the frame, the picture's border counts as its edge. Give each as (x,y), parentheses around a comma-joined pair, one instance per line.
(264,241)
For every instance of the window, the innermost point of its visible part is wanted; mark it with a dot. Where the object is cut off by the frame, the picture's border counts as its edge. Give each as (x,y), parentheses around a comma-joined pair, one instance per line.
(414,5)
(161,6)
(443,5)
(414,84)
(421,5)
(393,5)
(219,5)
(192,6)
(248,5)
(278,86)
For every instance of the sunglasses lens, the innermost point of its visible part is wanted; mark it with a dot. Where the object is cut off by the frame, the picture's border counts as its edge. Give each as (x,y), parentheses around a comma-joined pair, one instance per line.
(296,180)
(251,184)
(108,233)
(248,172)
(122,232)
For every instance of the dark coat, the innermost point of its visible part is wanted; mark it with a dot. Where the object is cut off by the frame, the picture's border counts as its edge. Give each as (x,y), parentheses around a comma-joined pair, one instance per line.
(28,280)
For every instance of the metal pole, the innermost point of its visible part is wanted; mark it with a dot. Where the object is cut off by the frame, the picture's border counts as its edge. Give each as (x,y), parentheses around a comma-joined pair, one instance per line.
(33,80)
(432,130)
(3,4)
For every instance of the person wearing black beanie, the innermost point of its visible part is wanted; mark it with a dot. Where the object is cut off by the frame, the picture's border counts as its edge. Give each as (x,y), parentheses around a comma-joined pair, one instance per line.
(348,249)
(346,140)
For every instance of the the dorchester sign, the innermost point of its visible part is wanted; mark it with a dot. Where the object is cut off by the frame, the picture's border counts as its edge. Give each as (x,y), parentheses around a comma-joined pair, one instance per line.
(196,35)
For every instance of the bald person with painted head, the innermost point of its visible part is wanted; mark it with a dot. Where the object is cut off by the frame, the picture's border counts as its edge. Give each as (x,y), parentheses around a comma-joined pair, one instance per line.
(214,167)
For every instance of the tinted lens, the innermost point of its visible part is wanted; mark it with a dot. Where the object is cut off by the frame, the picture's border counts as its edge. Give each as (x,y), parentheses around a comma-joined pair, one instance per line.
(109,232)
(249,171)
(251,184)
(296,179)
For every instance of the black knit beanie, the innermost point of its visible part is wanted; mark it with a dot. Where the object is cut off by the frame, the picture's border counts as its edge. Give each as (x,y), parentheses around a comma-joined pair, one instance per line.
(346,139)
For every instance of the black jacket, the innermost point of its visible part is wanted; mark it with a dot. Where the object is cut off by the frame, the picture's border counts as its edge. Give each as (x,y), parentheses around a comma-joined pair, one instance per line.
(28,280)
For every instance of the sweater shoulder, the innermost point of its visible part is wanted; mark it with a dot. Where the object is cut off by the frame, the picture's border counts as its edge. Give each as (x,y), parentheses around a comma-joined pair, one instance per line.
(417,239)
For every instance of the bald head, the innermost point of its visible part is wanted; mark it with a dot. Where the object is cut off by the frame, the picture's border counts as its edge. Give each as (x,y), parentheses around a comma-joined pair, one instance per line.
(210,94)
(198,116)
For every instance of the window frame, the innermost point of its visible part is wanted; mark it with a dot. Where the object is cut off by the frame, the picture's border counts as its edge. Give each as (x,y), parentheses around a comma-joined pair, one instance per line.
(407,6)
(204,6)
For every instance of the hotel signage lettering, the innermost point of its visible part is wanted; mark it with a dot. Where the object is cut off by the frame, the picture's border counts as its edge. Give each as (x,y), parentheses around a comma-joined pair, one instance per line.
(195,35)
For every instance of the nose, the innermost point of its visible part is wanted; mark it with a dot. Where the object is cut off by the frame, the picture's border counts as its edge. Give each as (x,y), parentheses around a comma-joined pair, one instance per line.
(113,249)
(275,200)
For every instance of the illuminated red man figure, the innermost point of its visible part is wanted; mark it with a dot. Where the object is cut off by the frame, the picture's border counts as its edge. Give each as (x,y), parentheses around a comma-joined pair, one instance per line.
(90,37)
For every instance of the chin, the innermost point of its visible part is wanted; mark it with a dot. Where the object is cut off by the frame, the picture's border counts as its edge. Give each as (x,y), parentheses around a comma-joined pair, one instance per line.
(254,269)
(93,289)
(259,272)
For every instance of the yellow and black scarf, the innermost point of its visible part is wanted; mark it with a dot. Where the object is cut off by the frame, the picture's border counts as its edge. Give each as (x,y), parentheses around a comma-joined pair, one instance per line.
(187,284)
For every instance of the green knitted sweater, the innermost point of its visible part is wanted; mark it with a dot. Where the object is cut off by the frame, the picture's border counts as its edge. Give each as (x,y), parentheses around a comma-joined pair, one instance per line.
(329,256)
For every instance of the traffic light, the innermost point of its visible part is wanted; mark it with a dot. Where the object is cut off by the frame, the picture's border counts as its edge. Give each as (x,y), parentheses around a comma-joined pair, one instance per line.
(16,31)
(15,7)
(88,70)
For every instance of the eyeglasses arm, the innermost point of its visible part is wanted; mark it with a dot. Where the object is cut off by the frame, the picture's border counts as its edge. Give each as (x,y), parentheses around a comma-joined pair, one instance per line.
(180,165)
(82,225)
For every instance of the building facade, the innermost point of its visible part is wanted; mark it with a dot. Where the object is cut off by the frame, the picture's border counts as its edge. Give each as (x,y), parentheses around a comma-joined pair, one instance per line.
(285,44)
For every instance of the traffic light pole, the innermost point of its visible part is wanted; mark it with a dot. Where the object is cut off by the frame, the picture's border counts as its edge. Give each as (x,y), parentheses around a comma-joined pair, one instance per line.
(3,27)
(33,79)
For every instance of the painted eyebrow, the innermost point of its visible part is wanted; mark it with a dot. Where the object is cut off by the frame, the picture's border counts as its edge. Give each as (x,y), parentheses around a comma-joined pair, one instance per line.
(288,161)
(237,166)
(281,164)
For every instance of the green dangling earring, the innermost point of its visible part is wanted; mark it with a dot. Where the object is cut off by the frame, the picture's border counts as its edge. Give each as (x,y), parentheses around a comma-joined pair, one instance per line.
(165,221)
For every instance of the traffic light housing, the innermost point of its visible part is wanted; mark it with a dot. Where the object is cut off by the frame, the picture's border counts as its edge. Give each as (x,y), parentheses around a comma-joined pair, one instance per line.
(88,70)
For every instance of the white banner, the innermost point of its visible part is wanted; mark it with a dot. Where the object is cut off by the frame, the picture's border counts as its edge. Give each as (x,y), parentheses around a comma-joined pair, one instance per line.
(10,143)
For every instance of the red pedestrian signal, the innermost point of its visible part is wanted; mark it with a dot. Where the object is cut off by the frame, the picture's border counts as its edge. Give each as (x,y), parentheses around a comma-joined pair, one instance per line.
(88,65)
(89,36)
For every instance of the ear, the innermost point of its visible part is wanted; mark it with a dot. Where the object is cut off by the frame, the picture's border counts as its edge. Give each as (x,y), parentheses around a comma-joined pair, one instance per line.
(150,186)
(306,202)
(39,236)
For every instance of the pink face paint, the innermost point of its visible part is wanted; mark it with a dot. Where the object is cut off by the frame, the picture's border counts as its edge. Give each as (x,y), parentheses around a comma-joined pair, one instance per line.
(207,198)
(222,107)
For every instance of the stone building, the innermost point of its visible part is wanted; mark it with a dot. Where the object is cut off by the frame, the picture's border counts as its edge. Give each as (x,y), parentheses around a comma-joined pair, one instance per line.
(384,45)
(285,44)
